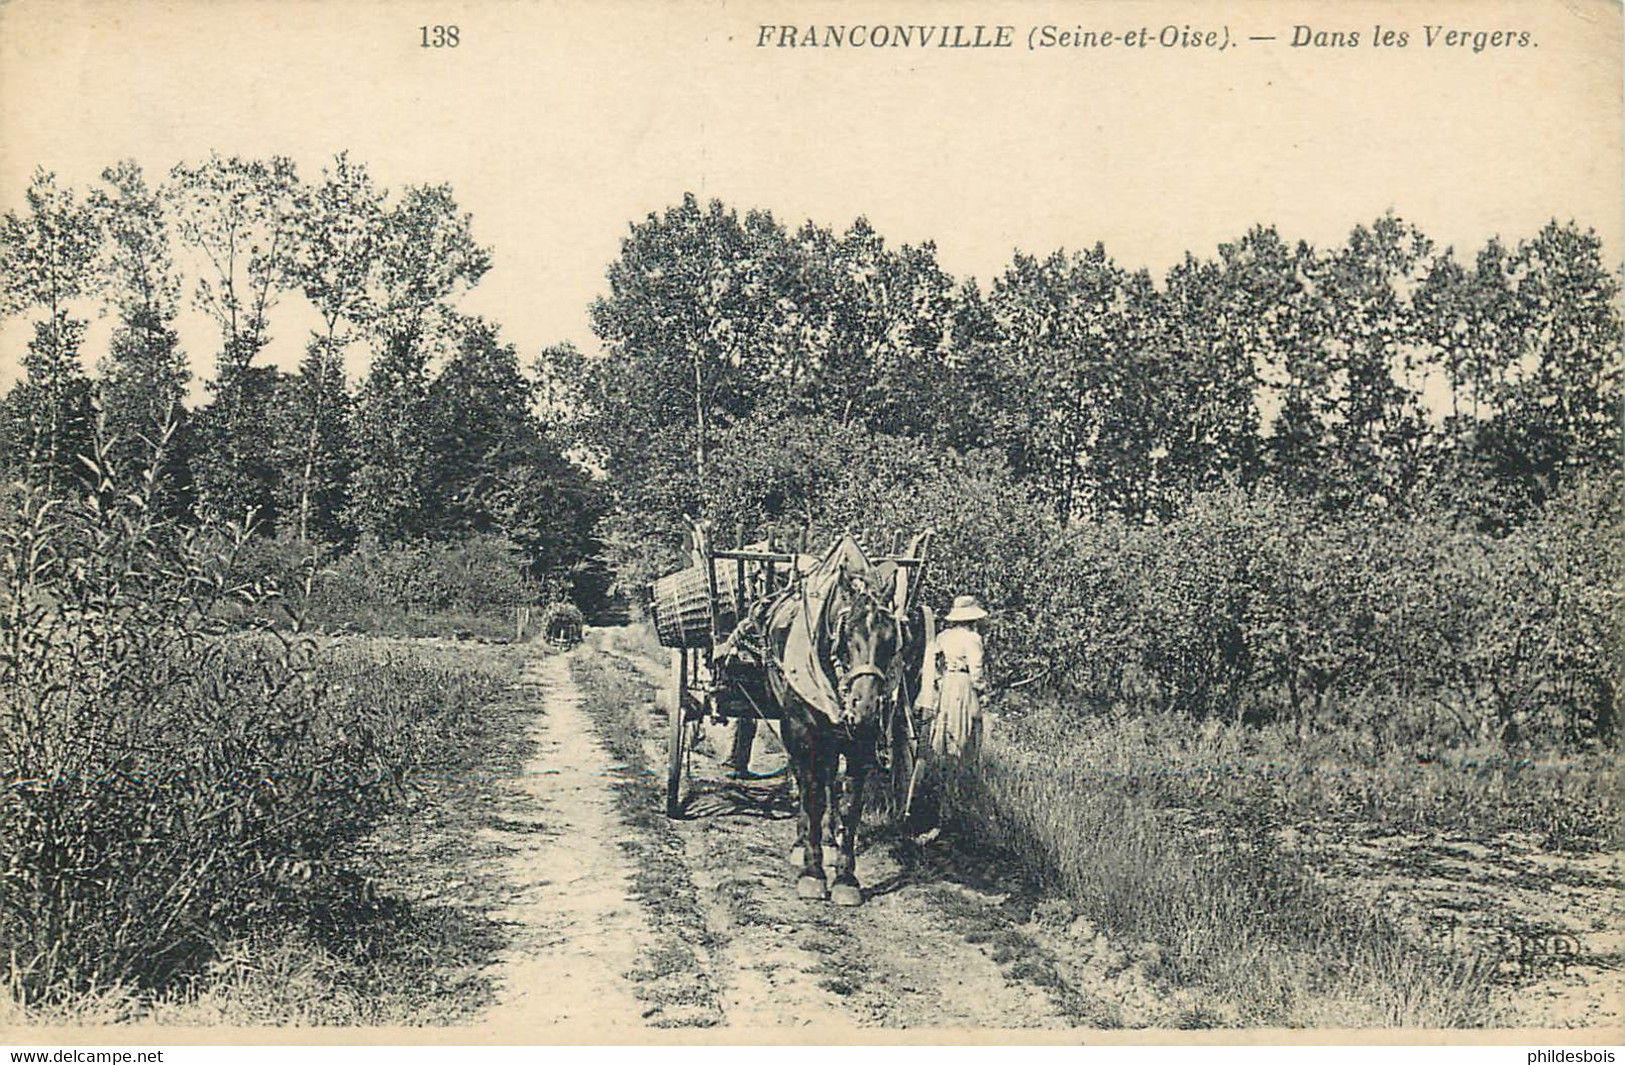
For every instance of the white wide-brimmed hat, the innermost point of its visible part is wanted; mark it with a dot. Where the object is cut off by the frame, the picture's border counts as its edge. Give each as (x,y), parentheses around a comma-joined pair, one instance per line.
(966,608)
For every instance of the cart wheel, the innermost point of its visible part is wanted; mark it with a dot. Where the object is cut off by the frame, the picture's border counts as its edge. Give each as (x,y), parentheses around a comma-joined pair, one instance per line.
(676,760)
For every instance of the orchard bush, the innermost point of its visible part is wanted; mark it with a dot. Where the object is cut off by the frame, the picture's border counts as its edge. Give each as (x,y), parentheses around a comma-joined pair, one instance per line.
(471,584)
(169,782)
(1258,607)
(783,475)
(476,575)
(1252,606)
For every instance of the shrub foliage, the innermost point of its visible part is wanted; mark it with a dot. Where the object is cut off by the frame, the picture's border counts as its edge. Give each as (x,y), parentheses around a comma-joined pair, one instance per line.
(168,781)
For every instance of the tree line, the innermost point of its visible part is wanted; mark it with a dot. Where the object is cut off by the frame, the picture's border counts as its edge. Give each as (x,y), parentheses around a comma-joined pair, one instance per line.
(1372,488)
(1386,373)
(441,438)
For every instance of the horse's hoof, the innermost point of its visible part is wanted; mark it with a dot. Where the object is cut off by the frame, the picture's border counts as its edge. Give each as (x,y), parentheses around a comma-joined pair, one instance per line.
(846,895)
(810,888)
(798,858)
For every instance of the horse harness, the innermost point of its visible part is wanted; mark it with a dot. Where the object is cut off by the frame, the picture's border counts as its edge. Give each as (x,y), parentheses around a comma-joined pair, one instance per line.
(891,678)
(837,632)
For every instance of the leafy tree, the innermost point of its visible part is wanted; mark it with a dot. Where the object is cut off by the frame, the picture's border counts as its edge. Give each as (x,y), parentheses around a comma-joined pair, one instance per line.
(1447,310)
(970,401)
(480,410)
(701,323)
(1559,410)
(314,451)
(239,216)
(497,469)
(48,417)
(1216,332)
(1255,314)
(141,388)
(144,376)
(561,373)
(1460,319)
(341,229)
(391,488)
(47,257)
(1372,413)
(873,324)
(1080,334)
(426,259)
(781,476)
(689,324)
(137,267)
(1529,345)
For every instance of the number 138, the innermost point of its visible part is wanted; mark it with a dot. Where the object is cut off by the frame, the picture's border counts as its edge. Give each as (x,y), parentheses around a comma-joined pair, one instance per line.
(439,36)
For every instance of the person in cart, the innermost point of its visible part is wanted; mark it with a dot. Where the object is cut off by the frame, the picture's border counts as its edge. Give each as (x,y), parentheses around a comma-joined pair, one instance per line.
(759,591)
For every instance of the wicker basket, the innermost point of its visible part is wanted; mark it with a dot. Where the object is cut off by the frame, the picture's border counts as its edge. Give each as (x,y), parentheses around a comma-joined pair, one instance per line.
(677,602)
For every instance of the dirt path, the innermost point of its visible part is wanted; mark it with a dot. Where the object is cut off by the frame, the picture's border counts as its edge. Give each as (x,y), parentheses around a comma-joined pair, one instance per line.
(936,944)
(578,933)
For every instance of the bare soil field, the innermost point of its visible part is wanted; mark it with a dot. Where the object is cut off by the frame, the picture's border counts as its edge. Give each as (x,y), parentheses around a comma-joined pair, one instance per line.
(1557,920)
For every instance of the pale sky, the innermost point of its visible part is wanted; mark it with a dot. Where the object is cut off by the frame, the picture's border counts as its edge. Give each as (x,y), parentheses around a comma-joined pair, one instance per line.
(560,124)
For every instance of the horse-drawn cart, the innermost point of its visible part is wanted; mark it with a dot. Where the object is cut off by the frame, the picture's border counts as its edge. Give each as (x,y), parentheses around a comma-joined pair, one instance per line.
(711,616)
(561,625)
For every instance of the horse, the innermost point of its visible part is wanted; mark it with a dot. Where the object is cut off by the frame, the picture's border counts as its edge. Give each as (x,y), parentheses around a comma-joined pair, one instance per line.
(867,656)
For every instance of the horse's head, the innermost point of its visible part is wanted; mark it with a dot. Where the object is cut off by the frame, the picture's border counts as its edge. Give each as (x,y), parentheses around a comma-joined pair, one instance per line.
(866,650)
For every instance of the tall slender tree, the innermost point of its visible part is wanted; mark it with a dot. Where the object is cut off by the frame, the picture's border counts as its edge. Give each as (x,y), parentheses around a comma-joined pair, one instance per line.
(144,376)
(47,258)
(878,322)
(1076,327)
(427,258)
(239,217)
(1372,410)
(1214,434)
(498,469)
(336,257)
(689,326)
(1558,401)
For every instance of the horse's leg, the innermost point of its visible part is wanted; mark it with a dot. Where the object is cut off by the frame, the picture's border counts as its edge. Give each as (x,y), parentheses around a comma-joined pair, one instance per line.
(796,746)
(832,820)
(826,764)
(846,891)
(809,773)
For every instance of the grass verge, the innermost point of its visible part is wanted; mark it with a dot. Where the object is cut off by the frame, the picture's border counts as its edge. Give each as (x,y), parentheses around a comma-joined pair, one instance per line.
(1211,768)
(1227,910)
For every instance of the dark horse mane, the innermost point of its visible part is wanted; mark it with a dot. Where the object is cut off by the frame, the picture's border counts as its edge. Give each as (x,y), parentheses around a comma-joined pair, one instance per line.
(869,656)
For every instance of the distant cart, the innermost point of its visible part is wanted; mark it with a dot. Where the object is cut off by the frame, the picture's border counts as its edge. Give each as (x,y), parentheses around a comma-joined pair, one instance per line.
(561,625)
(696,611)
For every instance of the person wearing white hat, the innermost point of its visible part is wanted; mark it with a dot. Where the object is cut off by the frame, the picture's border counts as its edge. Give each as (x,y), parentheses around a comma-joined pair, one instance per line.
(957,657)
